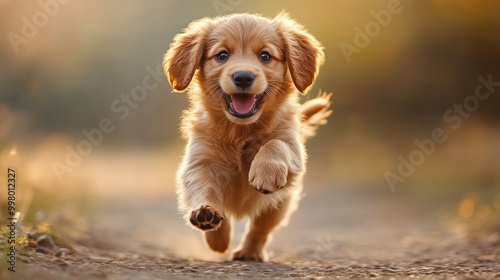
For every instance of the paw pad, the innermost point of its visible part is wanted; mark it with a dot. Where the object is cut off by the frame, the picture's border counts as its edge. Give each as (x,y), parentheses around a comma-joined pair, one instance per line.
(206,218)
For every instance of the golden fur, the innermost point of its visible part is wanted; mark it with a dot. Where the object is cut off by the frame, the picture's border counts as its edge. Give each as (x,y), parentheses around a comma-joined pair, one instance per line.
(235,167)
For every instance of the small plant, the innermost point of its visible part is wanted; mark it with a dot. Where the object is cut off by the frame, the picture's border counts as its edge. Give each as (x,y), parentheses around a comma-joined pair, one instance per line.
(32,237)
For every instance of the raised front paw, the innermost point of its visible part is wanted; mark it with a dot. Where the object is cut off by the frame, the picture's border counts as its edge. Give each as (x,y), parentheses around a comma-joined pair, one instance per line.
(267,175)
(206,218)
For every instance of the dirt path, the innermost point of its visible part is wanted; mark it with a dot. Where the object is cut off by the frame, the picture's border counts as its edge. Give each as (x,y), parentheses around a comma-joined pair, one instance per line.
(333,235)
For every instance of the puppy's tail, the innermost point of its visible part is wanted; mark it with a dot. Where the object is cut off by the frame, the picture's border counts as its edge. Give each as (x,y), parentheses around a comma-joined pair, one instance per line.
(315,113)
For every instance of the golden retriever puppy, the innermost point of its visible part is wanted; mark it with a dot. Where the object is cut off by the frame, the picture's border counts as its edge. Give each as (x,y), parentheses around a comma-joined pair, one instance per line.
(245,128)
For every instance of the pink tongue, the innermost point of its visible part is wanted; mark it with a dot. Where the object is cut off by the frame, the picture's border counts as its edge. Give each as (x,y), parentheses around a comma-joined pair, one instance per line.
(243,103)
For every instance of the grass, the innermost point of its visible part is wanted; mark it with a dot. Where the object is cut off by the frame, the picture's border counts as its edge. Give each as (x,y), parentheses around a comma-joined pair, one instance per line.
(30,238)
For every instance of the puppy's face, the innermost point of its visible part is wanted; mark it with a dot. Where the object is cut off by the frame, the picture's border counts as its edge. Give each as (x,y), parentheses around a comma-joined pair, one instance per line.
(243,65)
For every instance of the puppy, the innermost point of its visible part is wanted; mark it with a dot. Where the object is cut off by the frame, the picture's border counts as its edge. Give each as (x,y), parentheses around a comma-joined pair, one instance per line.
(245,128)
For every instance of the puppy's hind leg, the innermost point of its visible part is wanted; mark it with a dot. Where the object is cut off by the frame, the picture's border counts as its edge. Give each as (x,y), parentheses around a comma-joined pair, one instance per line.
(218,240)
(259,229)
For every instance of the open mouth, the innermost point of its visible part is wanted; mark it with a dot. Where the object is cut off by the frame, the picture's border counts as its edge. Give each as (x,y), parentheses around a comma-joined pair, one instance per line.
(242,105)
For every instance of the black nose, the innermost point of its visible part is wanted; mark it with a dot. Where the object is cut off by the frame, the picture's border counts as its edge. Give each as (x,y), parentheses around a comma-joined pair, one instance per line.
(243,79)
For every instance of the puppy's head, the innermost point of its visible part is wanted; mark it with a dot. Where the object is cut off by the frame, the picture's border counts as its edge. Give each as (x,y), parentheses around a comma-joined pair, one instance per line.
(243,65)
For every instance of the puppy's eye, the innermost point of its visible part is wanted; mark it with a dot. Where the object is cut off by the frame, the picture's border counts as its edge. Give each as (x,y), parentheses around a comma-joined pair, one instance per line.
(222,56)
(265,56)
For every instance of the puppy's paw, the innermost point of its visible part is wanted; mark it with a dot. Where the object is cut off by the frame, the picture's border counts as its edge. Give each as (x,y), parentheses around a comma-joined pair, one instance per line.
(247,254)
(206,218)
(268,176)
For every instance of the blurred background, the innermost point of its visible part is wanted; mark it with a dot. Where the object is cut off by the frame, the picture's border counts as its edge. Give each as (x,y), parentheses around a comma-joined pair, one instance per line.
(66,67)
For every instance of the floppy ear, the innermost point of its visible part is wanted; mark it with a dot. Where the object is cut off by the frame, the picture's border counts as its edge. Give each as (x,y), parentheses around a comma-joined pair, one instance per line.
(304,54)
(184,56)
